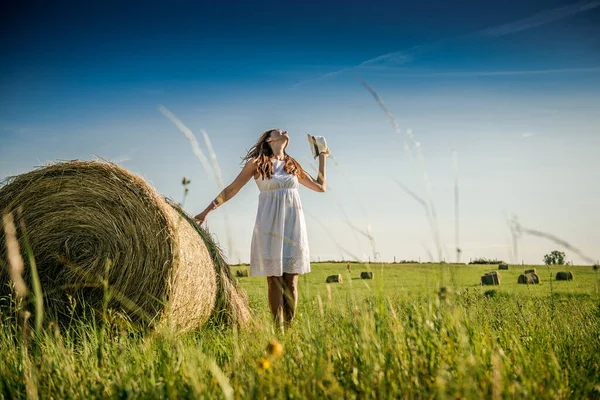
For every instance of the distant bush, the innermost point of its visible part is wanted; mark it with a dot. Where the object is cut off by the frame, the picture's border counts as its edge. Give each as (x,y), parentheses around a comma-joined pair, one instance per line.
(372,262)
(555,258)
(340,262)
(485,261)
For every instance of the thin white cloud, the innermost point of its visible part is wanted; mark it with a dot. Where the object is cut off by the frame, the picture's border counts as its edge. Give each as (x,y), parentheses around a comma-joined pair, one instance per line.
(389,71)
(324,76)
(528,134)
(396,58)
(541,18)
(407,55)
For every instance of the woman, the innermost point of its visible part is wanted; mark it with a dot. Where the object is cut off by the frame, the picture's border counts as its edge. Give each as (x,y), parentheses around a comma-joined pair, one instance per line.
(279,244)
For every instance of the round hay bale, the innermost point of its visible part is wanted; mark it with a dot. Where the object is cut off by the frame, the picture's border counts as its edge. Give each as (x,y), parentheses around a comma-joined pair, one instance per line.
(91,221)
(334,279)
(503,266)
(241,273)
(564,276)
(529,279)
(491,278)
(535,278)
(366,275)
(530,271)
(596,267)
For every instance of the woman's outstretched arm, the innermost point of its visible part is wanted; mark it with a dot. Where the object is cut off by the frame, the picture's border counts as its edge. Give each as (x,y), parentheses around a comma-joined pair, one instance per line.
(319,184)
(243,177)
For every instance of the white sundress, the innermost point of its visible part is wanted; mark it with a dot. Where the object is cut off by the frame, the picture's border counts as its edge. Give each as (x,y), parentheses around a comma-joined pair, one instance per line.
(279,240)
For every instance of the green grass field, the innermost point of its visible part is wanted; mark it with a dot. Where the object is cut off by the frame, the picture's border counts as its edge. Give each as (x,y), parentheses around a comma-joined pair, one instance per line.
(424,279)
(390,337)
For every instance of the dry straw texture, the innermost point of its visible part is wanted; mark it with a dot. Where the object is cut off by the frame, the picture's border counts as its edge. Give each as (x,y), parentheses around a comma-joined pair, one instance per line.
(93,221)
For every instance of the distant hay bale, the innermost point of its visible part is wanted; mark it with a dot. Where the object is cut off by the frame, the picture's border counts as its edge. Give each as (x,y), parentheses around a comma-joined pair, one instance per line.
(444,292)
(596,267)
(564,276)
(530,271)
(241,273)
(503,266)
(491,278)
(366,275)
(334,279)
(529,279)
(87,221)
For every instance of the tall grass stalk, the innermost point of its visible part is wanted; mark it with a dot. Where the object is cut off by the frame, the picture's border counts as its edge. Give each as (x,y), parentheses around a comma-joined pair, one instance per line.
(20,303)
(38,296)
(409,138)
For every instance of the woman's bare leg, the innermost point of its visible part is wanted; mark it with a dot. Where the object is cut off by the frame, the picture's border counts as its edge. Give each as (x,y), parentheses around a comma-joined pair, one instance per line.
(290,296)
(276,298)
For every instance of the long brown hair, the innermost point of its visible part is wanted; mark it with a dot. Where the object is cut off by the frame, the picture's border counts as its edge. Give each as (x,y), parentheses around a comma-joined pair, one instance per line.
(262,153)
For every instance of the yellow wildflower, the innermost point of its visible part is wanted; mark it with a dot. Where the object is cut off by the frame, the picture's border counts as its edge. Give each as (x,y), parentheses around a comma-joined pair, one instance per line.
(264,364)
(274,348)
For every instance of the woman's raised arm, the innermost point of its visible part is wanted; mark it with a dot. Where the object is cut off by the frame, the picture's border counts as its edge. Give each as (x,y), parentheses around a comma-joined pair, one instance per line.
(234,187)
(320,184)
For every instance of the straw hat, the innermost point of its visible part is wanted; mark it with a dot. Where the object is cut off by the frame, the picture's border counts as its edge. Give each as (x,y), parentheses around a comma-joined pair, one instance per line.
(318,145)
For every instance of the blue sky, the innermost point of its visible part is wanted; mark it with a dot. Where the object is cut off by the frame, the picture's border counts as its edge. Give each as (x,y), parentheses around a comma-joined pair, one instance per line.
(514,89)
